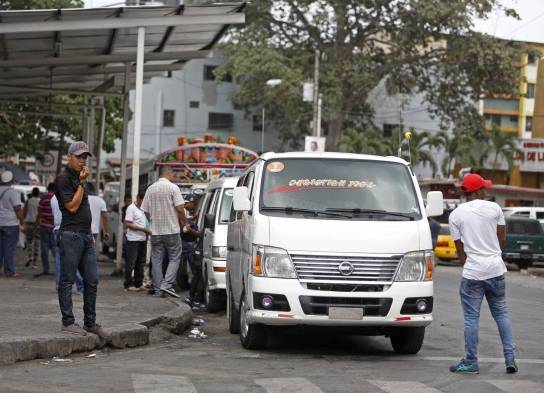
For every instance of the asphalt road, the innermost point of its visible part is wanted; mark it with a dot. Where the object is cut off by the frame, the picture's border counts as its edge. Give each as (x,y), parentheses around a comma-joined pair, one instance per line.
(311,362)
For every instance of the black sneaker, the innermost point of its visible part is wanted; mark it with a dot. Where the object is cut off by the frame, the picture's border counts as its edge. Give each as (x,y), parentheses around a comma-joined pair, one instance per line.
(171,292)
(512,368)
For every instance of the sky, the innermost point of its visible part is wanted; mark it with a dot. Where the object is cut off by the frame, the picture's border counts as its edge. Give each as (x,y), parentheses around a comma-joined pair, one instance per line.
(529,28)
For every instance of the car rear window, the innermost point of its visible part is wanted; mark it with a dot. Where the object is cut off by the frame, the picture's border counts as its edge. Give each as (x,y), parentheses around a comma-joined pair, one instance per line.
(444,230)
(524,227)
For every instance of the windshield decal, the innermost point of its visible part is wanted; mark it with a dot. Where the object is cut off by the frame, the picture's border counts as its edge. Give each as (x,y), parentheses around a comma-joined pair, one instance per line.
(296,185)
(275,167)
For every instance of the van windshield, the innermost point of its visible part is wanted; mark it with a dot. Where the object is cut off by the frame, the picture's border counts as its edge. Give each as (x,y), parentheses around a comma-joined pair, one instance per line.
(226,203)
(329,188)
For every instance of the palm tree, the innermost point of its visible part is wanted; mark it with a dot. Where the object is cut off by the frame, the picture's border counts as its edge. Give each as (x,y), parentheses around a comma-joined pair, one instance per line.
(421,144)
(502,147)
(367,142)
(459,148)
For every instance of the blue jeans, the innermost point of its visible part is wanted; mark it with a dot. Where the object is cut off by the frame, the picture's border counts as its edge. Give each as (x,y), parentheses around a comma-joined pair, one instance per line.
(47,241)
(56,254)
(472,293)
(9,236)
(161,244)
(77,253)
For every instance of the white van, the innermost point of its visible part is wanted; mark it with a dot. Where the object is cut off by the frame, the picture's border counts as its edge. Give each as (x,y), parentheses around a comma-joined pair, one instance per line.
(214,219)
(331,239)
(536,213)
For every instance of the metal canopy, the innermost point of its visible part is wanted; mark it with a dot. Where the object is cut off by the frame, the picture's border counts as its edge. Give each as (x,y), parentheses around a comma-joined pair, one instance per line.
(84,51)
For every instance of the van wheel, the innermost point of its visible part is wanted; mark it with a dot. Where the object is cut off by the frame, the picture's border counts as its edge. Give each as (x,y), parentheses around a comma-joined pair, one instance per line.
(232,314)
(252,336)
(407,341)
(214,299)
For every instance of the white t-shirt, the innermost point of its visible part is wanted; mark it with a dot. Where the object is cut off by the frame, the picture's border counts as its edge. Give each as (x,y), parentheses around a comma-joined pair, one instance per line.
(475,224)
(57,214)
(98,205)
(136,216)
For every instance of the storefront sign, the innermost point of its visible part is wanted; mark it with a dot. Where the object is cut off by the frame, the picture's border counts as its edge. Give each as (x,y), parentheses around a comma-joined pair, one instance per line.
(531,157)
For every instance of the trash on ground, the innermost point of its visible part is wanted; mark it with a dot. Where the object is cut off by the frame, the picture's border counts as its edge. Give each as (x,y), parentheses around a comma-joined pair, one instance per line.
(196,333)
(62,360)
(44,363)
(91,355)
(198,322)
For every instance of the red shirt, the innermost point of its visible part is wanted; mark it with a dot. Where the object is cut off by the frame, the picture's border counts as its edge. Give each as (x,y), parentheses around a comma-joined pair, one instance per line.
(45,211)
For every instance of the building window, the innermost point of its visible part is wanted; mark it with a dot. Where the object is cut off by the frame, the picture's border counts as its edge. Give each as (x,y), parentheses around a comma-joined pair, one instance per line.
(529,124)
(496,120)
(531,58)
(168,118)
(209,75)
(513,119)
(194,104)
(388,129)
(257,123)
(220,121)
(530,90)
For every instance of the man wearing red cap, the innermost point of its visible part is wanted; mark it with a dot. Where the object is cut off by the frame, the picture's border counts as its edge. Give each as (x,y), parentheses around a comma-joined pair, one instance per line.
(478,228)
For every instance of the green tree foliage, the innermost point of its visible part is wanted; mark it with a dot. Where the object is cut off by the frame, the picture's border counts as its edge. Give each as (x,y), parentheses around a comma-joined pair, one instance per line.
(33,134)
(500,148)
(362,43)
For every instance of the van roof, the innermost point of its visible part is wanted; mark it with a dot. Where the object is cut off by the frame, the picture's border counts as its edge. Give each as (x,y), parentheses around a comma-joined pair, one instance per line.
(223,182)
(345,156)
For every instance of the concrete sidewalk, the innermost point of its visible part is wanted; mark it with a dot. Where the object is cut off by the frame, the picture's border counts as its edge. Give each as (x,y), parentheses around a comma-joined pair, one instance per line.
(30,319)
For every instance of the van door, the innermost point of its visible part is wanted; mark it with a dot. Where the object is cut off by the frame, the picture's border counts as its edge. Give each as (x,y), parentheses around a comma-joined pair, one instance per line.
(209,232)
(233,247)
(246,233)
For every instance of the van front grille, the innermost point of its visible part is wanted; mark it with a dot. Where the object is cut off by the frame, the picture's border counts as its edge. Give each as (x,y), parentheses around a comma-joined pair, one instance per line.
(345,270)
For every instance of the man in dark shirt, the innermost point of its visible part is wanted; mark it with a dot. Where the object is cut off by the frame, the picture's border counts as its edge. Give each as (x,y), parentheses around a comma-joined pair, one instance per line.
(76,242)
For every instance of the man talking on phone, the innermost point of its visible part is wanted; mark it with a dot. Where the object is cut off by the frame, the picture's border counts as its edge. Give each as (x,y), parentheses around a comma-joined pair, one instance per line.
(76,242)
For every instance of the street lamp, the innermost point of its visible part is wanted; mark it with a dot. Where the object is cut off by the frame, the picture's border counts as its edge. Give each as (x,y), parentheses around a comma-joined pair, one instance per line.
(270,83)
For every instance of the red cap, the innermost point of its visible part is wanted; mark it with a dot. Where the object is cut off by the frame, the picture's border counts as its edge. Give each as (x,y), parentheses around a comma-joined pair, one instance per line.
(473,182)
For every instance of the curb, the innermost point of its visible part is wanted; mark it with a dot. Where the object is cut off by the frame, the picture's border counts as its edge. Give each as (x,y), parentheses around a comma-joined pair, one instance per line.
(127,335)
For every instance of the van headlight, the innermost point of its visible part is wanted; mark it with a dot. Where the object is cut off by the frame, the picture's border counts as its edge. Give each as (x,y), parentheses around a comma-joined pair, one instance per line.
(272,262)
(416,266)
(219,252)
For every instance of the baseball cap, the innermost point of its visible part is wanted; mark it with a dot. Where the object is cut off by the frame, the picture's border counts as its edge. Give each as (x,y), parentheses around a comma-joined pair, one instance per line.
(474,182)
(7,176)
(79,148)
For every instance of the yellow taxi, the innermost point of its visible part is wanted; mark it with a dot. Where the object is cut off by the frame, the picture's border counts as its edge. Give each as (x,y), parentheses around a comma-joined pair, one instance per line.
(445,246)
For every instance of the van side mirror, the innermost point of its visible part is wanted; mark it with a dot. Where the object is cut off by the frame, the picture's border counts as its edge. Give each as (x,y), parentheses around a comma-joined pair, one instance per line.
(209,221)
(435,204)
(240,199)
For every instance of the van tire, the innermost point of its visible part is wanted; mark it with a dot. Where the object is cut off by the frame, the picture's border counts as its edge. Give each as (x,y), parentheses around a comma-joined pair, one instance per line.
(232,314)
(214,299)
(407,341)
(252,335)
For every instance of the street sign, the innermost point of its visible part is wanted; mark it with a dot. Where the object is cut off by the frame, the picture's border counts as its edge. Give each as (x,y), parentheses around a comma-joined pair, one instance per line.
(315,144)
(47,165)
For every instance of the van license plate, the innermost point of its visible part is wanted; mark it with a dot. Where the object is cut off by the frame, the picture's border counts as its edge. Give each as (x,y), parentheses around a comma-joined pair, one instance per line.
(524,247)
(346,313)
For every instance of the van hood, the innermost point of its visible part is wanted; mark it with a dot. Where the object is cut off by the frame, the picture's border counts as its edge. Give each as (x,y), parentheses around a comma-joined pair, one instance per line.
(342,236)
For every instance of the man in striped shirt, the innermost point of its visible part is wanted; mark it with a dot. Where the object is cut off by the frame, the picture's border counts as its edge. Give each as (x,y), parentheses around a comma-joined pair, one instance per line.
(45,221)
(164,207)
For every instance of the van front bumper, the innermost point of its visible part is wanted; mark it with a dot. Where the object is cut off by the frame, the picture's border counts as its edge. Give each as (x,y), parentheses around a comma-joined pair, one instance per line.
(298,297)
(522,256)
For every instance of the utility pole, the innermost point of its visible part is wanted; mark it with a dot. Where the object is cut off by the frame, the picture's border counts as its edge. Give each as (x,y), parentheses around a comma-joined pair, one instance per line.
(316,127)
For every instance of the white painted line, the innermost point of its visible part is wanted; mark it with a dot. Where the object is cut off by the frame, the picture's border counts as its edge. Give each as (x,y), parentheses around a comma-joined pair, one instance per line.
(404,387)
(156,383)
(516,386)
(288,385)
